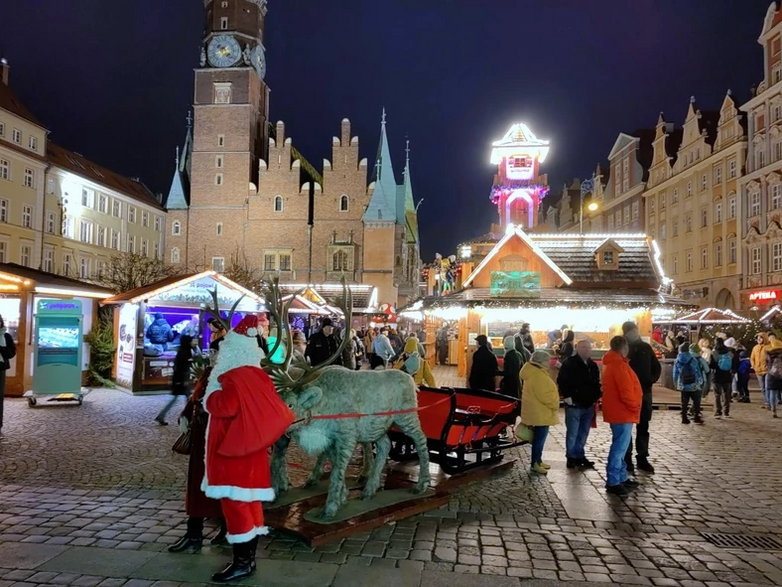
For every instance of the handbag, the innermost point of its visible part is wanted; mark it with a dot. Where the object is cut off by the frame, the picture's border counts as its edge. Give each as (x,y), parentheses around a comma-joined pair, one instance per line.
(524,433)
(184,444)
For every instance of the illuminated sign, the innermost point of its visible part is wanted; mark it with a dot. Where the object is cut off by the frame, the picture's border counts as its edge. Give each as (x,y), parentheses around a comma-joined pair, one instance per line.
(515,284)
(764,295)
(520,167)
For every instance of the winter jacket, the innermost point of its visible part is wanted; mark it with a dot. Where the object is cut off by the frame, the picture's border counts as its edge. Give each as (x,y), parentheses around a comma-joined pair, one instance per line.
(7,352)
(511,369)
(381,346)
(721,376)
(579,380)
(680,366)
(566,349)
(540,400)
(773,379)
(160,331)
(645,364)
(744,369)
(320,347)
(622,393)
(484,369)
(523,340)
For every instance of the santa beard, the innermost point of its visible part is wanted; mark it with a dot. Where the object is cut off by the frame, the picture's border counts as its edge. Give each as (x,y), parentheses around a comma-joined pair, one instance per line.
(235,351)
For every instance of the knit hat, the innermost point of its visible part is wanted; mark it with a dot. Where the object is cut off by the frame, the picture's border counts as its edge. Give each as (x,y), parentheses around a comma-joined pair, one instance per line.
(695,349)
(248,326)
(326,322)
(540,358)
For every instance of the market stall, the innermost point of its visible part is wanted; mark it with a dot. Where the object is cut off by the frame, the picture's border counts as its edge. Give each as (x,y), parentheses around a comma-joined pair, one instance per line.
(589,284)
(149,321)
(21,290)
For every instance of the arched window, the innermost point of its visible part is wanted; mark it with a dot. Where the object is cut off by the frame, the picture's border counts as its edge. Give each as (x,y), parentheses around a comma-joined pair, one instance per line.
(340,261)
(344,203)
(278,203)
(175,255)
(176,228)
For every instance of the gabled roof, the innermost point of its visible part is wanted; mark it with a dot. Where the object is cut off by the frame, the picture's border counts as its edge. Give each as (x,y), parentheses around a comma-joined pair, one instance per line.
(383,203)
(44,279)
(80,165)
(711,316)
(364,296)
(9,101)
(158,288)
(516,232)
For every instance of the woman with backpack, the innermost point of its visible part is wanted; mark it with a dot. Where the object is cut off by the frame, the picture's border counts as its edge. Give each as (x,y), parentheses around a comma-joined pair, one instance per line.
(412,362)
(774,379)
(688,377)
(724,363)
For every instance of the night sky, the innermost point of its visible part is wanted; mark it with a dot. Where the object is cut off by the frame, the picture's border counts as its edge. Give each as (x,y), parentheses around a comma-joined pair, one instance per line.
(112,79)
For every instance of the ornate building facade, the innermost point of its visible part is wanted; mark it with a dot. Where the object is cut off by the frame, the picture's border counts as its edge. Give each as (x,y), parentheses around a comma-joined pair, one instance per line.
(242,193)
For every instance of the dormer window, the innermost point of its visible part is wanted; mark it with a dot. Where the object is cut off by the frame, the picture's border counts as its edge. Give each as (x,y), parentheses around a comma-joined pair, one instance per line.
(607,255)
(607,258)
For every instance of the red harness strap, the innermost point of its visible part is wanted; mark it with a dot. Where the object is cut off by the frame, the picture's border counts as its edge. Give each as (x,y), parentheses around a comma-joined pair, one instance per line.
(389,413)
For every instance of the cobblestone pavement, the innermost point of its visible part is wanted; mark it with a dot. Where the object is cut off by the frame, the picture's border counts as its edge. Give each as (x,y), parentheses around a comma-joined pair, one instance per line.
(91,495)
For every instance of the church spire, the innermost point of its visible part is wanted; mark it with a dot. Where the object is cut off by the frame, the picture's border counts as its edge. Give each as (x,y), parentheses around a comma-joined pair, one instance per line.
(382,204)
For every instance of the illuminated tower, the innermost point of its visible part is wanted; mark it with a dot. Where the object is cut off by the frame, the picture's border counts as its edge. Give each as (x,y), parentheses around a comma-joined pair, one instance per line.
(518,186)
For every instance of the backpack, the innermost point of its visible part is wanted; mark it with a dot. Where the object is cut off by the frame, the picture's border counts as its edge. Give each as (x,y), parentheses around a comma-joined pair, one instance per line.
(775,366)
(725,361)
(412,363)
(687,374)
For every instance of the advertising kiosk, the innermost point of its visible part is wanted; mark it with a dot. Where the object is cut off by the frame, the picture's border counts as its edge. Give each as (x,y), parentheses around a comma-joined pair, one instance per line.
(57,351)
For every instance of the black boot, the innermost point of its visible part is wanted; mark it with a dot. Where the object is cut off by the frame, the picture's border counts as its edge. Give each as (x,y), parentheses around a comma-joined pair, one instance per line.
(243,564)
(191,541)
(219,539)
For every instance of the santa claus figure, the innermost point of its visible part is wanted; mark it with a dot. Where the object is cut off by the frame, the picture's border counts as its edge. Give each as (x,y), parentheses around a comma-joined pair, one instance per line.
(246,416)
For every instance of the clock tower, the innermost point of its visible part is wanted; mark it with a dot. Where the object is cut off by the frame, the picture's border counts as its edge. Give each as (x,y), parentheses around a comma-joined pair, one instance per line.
(229,134)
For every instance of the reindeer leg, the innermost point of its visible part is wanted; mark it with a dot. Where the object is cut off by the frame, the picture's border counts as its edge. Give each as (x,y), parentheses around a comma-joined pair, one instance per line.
(410,425)
(280,480)
(338,491)
(369,457)
(383,446)
(317,471)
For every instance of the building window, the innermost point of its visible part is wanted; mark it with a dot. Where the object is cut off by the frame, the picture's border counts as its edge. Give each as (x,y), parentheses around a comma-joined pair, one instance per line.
(704,218)
(339,261)
(48,260)
(3,210)
(777,151)
(224,4)
(144,247)
(777,112)
(222,93)
(132,214)
(51,222)
(33,143)
(219,161)
(776,257)
(224,23)
(17,136)
(101,240)
(663,232)
(84,268)
(86,198)
(675,227)
(704,258)
(156,250)
(27,216)
(663,200)
(116,209)
(636,211)
(131,243)
(3,252)
(688,223)
(2,129)
(755,260)
(219,229)
(85,231)
(25,255)
(219,179)
(718,255)
(176,228)
(285,262)
(269,262)
(158,223)
(29,178)
(775,197)
(731,169)
(103,203)
(221,140)
(175,255)
(145,219)
(115,243)
(66,264)
(626,215)
(704,182)
(689,188)
(618,218)
(5,169)
(652,202)
(689,262)
(718,212)
(625,174)
(608,257)
(675,265)
(754,204)
(278,203)
(344,203)
(731,208)
(718,174)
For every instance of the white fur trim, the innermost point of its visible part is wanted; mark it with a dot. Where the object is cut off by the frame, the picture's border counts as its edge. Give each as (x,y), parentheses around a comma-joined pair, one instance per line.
(252,332)
(235,351)
(236,493)
(247,536)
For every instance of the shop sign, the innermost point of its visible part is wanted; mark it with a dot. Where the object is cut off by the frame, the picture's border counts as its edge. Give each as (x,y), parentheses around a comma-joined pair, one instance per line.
(764,295)
(126,344)
(515,284)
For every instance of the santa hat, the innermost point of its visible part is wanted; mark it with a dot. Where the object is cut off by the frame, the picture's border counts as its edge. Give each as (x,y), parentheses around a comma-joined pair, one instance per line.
(248,326)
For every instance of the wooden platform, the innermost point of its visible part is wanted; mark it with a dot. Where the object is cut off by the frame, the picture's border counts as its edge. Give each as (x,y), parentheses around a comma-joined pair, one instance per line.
(290,517)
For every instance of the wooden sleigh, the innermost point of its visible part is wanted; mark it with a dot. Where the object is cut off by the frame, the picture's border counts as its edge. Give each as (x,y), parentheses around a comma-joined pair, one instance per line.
(465,428)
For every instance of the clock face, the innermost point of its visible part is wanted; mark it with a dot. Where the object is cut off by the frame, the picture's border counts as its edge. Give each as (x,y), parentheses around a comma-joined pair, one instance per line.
(258,59)
(223,51)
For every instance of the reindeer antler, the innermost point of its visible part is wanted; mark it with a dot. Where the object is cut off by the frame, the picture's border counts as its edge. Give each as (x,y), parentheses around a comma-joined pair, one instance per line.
(215,310)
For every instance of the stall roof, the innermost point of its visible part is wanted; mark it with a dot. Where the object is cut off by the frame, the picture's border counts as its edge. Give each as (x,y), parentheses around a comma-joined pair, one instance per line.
(46,283)
(364,296)
(709,316)
(770,314)
(301,305)
(168,284)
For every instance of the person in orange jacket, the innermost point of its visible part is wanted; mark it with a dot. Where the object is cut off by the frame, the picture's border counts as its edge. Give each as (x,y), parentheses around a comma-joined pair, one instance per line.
(622,397)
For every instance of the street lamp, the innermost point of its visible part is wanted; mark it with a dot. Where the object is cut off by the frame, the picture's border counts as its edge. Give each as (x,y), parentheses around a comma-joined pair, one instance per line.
(586,187)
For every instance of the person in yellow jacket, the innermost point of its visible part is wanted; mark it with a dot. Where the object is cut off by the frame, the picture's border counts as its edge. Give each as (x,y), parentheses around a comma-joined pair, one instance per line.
(539,405)
(758,360)
(412,355)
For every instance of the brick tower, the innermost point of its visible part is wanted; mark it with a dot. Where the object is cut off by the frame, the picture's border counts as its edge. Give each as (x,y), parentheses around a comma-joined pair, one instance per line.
(229,136)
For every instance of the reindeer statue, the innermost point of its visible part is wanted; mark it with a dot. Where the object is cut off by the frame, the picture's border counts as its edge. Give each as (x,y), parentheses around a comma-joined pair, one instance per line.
(338,408)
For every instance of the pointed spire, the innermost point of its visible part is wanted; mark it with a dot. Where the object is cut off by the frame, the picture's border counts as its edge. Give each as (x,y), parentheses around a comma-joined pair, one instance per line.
(382,205)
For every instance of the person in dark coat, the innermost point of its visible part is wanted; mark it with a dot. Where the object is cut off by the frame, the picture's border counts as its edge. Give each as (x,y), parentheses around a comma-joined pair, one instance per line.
(524,340)
(441,346)
(579,388)
(160,332)
(724,364)
(180,377)
(511,367)
(323,344)
(484,366)
(648,370)
(7,352)
(567,347)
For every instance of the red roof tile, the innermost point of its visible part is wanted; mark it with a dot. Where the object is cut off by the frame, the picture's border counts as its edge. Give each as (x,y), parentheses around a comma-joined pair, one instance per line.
(10,102)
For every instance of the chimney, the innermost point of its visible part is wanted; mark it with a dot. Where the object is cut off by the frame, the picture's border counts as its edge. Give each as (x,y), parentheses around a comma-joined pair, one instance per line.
(5,69)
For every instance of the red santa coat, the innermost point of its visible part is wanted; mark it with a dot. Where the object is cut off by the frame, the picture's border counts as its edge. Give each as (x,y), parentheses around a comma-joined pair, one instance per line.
(237,458)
